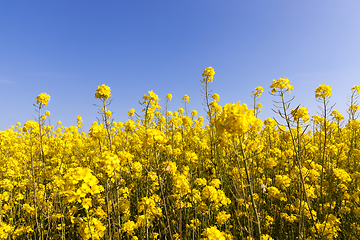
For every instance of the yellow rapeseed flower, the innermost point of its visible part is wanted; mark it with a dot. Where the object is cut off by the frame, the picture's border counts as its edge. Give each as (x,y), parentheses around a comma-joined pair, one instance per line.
(323,91)
(216,97)
(43,98)
(131,112)
(357,88)
(212,233)
(103,92)
(237,119)
(208,74)
(281,85)
(168,97)
(353,108)
(129,227)
(336,115)
(185,98)
(79,120)
(258,91)
(300,113)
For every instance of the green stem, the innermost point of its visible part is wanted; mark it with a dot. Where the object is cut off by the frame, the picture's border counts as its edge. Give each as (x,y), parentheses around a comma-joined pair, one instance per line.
(251,190)
(88,220)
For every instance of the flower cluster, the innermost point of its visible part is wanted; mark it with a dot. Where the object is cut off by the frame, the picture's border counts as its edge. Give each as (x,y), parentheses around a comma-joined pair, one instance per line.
(300,113)
(43,99)
(323,91)
(258,91)
(208,74)
(103,92)
(281,85)
(237,119)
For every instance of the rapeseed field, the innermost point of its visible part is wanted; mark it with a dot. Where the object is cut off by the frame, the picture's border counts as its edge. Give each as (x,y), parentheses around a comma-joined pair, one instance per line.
(175,175)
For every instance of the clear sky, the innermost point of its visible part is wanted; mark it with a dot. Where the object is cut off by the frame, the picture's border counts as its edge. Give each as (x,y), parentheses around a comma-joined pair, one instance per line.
(68,48)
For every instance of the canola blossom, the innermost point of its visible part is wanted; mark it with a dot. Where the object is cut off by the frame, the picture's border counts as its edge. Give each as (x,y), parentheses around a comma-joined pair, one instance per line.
(208,74)
(43,99)
(323,91)
(300,113)
(171,174)
(281,85)
(103,92)
(168,97)
(237,119)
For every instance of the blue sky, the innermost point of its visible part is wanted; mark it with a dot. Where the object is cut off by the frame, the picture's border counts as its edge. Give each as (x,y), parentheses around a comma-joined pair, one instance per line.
(68,48)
